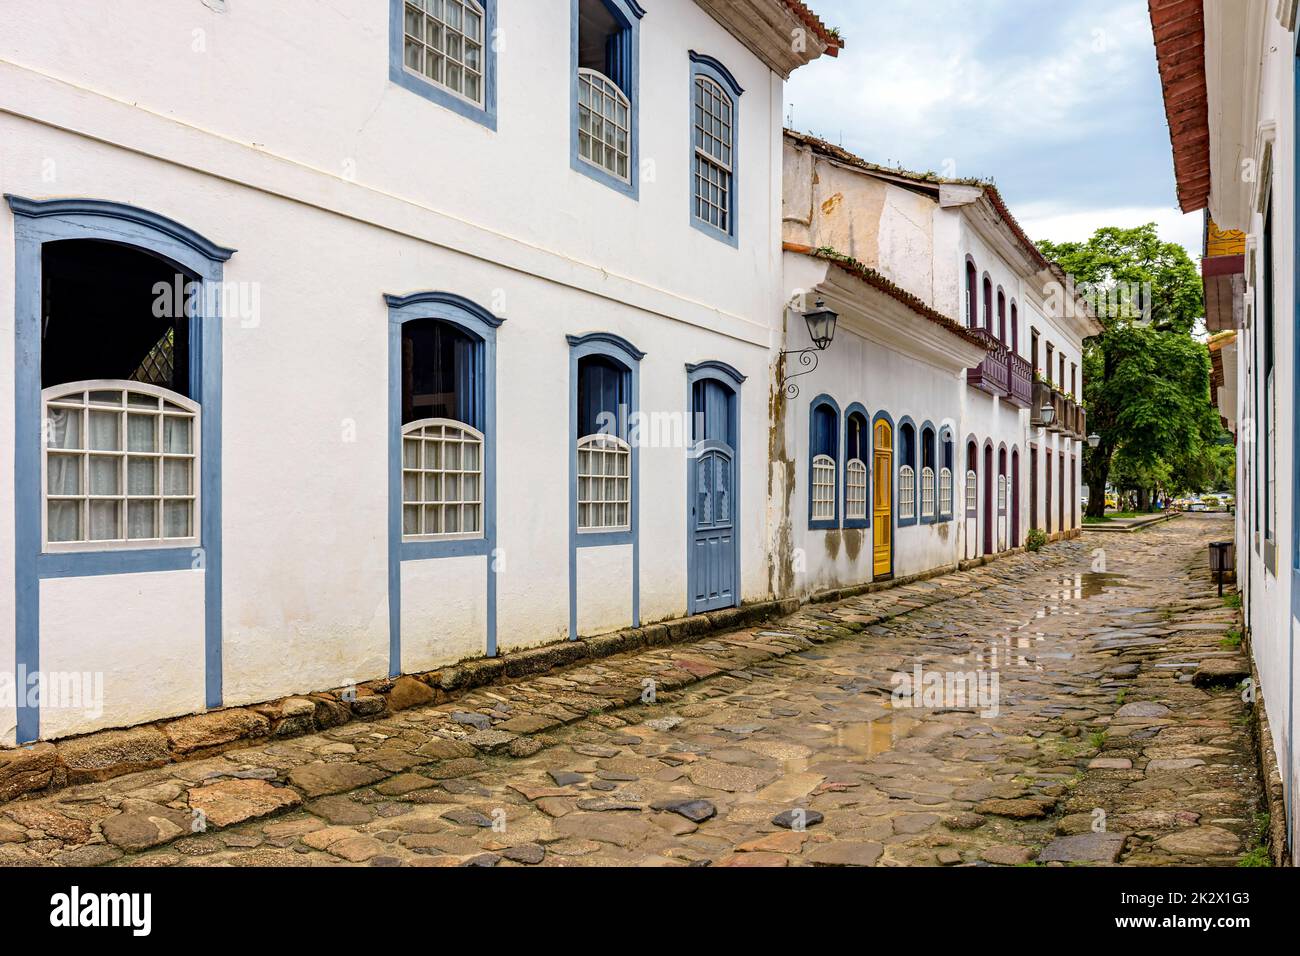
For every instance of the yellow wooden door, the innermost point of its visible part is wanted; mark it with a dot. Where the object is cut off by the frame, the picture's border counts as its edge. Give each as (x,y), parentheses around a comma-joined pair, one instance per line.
(882,508)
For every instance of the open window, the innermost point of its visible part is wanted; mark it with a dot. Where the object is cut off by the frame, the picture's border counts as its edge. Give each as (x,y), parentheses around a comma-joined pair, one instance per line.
(907,473)
(442,431)
(604,455)
(927,474)
(945,476)
(823,464)
(121,432)
(856,437)
(605,90)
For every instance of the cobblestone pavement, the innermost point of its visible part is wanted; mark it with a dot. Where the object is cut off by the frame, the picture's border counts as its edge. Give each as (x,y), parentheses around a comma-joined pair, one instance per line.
(779,745)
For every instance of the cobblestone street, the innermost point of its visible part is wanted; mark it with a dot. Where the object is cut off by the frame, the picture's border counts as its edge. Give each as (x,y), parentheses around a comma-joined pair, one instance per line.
(1118,736)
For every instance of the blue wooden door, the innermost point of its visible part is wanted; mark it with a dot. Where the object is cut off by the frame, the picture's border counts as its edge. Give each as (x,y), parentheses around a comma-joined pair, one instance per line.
(713,564)
(711,487)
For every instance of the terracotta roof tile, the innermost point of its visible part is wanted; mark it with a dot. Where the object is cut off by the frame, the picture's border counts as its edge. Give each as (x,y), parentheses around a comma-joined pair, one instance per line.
(834,42)
(878,281)
(1179,30)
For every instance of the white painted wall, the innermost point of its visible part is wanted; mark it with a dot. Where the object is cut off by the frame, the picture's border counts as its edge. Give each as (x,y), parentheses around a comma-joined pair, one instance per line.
(431,201)
(1266,93)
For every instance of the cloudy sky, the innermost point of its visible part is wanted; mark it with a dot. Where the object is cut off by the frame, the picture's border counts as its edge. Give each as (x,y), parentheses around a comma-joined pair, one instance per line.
(1057,101)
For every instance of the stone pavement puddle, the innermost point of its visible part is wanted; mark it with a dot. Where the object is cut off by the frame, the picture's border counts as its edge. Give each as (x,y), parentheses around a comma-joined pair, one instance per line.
(1096,712)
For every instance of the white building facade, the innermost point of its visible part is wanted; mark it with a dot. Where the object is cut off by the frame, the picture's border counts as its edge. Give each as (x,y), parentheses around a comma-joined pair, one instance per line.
(346,344)
(1230,76)
(921,441)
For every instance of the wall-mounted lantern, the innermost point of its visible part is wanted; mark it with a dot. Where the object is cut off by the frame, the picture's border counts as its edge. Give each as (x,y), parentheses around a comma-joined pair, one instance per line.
(1094,440)
(821,329)
(1046,415)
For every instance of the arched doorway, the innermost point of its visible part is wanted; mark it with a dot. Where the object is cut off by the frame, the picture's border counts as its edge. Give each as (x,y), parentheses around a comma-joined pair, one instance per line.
(882,501)
(713,556)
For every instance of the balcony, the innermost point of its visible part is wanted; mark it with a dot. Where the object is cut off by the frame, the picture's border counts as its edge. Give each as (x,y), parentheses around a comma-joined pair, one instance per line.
(991,374)
(1040,397)
(1021,380)
(1081,417)
(1059,406)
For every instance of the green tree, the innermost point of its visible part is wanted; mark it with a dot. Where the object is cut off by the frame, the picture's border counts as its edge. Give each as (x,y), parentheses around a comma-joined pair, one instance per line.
(1146,379)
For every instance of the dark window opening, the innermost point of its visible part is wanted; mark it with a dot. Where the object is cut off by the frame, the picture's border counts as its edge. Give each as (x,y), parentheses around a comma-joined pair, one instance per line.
(113,312)
(857,437)
(1033,350)
(927,449)
(1002,317)
(714,418)
(604,43)
(603,386)
(441,375)
(972,296)
(907,446)
(825,432)
(1047,366)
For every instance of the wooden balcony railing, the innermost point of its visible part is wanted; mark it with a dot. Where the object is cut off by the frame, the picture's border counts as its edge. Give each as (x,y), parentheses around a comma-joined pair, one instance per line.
(991,374)
(1020,378)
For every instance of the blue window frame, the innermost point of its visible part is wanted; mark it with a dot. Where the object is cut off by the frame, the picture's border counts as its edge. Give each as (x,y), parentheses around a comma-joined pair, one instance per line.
(715,135)
(604,371)
(909,479)
(823,464)
(196,259)
(946,484)
(445,51)
(447,330)
(857,467)
(928,478)
(604,96)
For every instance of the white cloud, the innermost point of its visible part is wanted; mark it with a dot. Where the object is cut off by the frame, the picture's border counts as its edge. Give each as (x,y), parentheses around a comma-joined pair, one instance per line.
(1044,221)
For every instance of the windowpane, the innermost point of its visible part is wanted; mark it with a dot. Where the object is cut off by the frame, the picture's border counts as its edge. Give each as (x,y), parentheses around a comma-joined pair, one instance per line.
(444,44)
(110,492)
(445,481)
(603,123)
(604,485)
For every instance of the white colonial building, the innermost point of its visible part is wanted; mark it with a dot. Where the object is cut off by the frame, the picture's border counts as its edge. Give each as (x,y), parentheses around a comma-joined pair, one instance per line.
(921,439)
(1230,75)
(351,340)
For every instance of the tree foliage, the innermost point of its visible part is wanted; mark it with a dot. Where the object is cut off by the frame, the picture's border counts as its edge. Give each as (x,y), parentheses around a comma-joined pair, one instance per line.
(1146,378)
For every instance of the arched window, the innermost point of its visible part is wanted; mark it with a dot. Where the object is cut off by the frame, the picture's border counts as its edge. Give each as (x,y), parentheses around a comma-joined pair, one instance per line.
(907,473)
(972,295)
(823,447)
(972,480)
(604,455)
(442,437)
(121,462)
(604,137)
(855,469)
(945,477)
(1015,327)
(714,101)
(927,474)
(1002,315)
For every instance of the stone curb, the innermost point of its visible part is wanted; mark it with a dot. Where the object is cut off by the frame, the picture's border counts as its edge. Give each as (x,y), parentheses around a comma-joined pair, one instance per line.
(45,767)
(1130,528)
(105,754)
